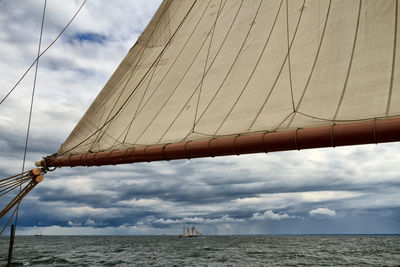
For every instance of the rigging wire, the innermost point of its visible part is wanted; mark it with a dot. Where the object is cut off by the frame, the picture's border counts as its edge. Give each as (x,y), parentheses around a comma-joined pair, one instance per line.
(31,105)
(23,191)
(44,51)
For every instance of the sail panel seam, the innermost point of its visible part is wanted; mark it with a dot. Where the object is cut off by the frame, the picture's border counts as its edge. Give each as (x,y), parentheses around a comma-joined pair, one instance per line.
(350,62)
(140,102)
(176,87)
(231,67)
(205,63)
(123,105)
(134,69)
(314,63)
(186,103)
(170,67)
(289,49)
(254,69)
(393,60)
(279,73)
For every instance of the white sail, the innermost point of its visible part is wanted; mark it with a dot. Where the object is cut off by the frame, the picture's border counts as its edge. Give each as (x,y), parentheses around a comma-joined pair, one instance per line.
(212,68)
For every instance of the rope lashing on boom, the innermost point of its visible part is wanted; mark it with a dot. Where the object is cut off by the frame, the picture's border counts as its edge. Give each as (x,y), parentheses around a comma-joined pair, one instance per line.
(30,178)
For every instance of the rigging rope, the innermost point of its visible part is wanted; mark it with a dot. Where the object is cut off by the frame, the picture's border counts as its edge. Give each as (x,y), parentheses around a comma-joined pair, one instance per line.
(35,176)
(32,177)
(44,51)
(31,106)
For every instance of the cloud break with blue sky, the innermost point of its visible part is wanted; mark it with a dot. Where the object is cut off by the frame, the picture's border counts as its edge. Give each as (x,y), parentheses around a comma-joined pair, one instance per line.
(351,190)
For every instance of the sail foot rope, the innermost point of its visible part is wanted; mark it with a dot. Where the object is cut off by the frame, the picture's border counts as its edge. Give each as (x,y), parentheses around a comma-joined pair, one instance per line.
(30,178)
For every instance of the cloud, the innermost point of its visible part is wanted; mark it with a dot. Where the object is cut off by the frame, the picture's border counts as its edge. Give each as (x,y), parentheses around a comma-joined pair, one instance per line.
(270,215)
(322,212)
(74,224)
(251,194)
(198,220)
(90,222)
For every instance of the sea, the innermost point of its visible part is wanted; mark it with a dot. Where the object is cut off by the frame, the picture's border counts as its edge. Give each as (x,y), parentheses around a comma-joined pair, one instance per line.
(278,250)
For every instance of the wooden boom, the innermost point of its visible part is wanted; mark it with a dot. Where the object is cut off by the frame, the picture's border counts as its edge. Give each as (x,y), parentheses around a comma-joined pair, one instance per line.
(366,132)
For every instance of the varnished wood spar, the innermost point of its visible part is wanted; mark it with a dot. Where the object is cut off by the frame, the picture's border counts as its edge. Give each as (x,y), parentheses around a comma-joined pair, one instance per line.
(366,132)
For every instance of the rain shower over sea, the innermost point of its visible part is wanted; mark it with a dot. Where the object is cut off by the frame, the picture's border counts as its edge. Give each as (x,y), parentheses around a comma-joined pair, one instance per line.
(292,250)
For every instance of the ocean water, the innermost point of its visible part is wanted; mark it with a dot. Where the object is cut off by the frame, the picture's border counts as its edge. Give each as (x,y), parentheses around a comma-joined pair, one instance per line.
(336,250)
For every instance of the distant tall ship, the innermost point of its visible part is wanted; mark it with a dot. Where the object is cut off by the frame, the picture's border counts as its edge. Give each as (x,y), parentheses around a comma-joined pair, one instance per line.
(38,233)
(190,232)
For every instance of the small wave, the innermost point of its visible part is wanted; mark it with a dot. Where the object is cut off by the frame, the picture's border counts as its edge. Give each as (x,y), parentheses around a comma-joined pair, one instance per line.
(223,259)
(211,249)
(195,254)
(255,253)
(50,260)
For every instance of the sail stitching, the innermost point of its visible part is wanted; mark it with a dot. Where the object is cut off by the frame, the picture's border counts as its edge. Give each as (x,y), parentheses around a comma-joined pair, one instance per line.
(311,73)
(173,63)
(205,63)
(131,75)
(126,101)
(176,87)
(193,93)
(348,120)
(160,58)
(258,131)
(134,72)
(206,71)
(288,47)
(147,87)
(192,130)
(393,61)
(140,102)
(198,52)
(127,129)
(314,63)
(254,69)
(134,69)
(231,67)
(285,119)
(280,71)
(350,63)
(212,62)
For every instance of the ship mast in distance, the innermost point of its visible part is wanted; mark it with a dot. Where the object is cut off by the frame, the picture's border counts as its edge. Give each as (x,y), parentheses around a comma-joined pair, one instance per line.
(190,231)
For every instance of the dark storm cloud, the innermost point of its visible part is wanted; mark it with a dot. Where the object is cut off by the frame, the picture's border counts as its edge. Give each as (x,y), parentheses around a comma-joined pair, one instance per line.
(145,181)
(315,191)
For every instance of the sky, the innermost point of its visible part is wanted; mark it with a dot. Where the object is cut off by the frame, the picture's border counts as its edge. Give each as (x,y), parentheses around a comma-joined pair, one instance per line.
(347,190)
